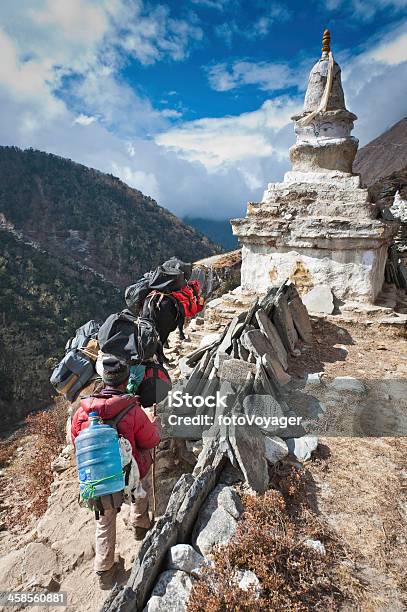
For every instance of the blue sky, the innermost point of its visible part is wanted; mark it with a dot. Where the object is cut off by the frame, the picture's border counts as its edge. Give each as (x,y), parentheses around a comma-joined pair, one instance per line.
(190,100)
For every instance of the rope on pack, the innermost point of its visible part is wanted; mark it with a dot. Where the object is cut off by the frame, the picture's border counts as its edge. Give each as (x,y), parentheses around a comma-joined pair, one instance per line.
(88,493)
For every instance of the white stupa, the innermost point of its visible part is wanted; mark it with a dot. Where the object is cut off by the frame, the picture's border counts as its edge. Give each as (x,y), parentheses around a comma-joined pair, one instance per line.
(317,226)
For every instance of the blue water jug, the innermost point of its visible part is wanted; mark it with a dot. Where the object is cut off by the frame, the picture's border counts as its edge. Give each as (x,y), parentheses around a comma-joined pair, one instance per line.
(98,460)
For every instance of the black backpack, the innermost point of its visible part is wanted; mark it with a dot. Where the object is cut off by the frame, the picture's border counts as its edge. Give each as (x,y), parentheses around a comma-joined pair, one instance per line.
(167,280)
(127,337)
(155,385)
(177,264)
(144,342)
(137,293)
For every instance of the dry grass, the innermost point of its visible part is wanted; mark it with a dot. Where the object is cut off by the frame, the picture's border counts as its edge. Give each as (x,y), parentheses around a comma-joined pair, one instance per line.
(270,542)
(27,478)
(49,429)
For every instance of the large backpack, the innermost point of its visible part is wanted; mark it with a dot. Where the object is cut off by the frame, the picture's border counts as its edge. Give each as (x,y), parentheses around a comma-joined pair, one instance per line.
(155,385)
(177,264)
(144,342)
(72,373)
(137,293)
(127,337)
(167,279)
(83,335)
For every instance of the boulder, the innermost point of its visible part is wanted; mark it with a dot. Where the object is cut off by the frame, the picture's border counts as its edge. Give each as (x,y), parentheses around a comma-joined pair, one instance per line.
(225,497)
(183,557)
(11,569)
(302,447)
(39,564)
(213,528)
(319,299)
(270,331)
(348,383)
(170,593)
(275,449)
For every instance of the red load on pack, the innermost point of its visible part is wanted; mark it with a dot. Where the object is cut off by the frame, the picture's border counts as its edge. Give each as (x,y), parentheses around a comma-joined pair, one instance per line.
(190,299)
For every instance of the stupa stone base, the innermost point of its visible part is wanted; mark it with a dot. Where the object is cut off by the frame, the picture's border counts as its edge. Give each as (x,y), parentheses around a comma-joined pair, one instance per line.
(352,275)
(315,228)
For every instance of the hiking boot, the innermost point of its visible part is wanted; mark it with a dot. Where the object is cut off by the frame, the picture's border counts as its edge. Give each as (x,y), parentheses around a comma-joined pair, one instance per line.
(106,578)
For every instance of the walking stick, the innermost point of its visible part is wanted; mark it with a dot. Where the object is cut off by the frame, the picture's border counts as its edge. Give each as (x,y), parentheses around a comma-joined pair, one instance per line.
(153,469)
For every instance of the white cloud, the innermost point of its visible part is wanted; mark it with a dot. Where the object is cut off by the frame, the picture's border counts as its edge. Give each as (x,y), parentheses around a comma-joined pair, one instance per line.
(84,119)
(275,12)
(220,5)
(268,76)
(234,139)
(391,52)
(60,91)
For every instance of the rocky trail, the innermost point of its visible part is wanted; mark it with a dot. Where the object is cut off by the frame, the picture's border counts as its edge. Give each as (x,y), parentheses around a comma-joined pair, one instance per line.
(356,484)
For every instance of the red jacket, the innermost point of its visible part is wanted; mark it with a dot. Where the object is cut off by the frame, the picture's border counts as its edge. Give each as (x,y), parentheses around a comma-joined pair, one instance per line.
(135,425)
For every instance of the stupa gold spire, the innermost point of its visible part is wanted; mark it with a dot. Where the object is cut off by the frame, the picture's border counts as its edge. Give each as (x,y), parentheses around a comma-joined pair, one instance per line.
(326,43)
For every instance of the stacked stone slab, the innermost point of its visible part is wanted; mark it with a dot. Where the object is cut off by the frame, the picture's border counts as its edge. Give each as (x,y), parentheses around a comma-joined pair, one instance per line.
(318,225)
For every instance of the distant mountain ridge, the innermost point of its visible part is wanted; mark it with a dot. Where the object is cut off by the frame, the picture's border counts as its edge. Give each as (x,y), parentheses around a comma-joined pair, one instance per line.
(218,231)
(43,299)
(71,238)
(92,217)
(384,155)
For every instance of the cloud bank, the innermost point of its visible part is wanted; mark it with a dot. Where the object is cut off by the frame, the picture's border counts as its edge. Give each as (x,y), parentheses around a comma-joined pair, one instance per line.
(62,90)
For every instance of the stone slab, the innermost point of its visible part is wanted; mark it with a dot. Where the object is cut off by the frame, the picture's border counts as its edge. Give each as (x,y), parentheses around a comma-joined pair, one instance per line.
(284,323)
(235,371)
(275,370)
(270,331)
(249,450)
(266,407)
(301,319)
